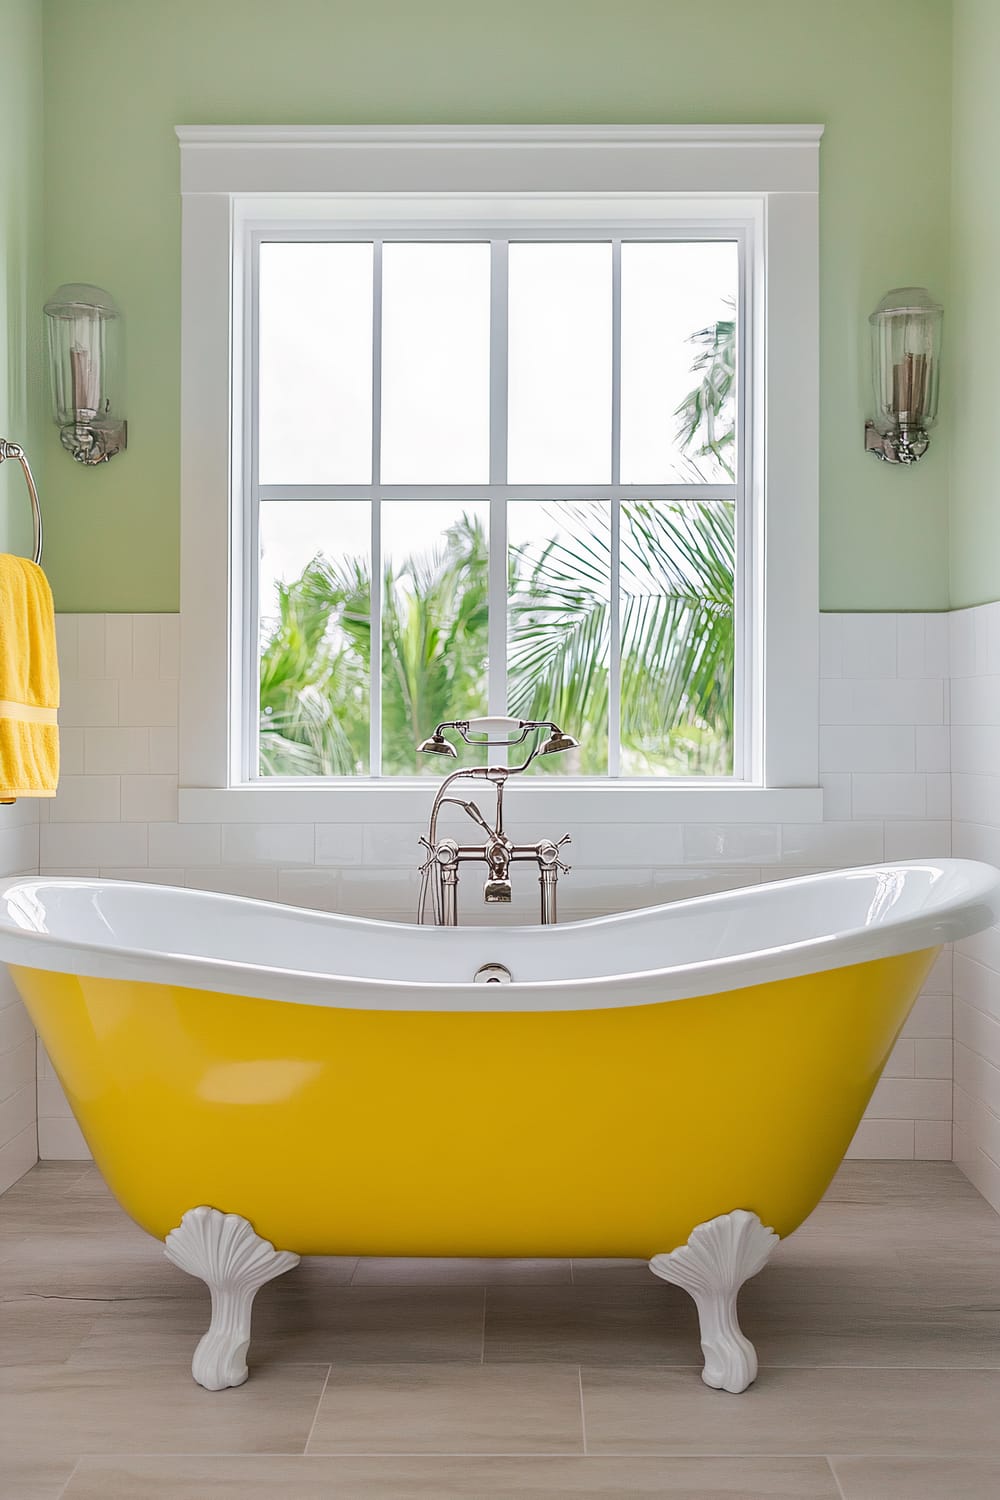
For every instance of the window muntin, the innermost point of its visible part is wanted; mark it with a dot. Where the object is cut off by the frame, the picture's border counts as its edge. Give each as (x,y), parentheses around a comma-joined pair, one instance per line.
(547,406)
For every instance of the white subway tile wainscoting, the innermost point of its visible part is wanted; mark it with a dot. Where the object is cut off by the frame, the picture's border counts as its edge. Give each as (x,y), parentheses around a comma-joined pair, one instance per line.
(975,758)
(884,769)
(18,1102)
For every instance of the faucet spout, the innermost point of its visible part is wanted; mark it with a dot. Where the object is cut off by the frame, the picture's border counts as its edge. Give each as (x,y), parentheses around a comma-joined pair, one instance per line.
(497,886)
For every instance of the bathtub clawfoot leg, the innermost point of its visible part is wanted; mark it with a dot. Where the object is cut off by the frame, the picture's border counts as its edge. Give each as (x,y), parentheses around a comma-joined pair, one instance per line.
(234,1262)
(718,1258)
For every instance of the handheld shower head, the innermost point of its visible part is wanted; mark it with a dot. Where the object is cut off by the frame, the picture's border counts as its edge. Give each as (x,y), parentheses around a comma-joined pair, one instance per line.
(558,741)
(485,729)
(438,745)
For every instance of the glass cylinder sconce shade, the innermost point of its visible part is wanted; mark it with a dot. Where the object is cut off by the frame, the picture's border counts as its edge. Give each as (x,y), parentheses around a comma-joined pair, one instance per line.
(87,371)
(906,365)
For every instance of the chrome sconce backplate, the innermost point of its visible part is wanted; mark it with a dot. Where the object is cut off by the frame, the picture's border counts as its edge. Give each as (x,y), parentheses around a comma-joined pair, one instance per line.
(94,442)
(903,447)
(906,364)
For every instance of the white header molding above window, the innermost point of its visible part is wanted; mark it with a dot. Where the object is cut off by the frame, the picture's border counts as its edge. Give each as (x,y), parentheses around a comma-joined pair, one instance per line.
(767,175)
(500,159)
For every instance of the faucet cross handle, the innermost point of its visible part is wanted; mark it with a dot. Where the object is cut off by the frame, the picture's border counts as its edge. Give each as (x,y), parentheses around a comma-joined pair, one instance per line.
(548,853)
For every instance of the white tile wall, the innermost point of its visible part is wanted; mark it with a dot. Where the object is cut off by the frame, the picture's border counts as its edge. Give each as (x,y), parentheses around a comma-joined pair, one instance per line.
(884,749)
(18,1112)
(975,750)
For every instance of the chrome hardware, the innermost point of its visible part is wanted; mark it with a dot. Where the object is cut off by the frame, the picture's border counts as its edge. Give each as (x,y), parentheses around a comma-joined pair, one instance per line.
(903,447)
(549,868)
(438,745)
(91,441)
(478,732)
(439,871)
(85,334)
(497,851)
(14,450)
(492,974)
(906,367)
(558,741)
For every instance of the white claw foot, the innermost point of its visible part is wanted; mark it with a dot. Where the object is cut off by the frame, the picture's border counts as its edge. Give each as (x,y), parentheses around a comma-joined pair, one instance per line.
(717,1259)
(234,1262)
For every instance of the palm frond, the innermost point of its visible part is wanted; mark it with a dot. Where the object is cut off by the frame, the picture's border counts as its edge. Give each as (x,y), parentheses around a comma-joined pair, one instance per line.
(707,428)
(675,615)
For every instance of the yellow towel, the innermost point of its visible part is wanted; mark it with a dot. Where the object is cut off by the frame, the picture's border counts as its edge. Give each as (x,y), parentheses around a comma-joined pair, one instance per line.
(29,682)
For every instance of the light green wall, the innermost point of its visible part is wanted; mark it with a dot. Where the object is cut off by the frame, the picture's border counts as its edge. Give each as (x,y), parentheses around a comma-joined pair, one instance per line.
(20,256)
(119,74)
(972,326)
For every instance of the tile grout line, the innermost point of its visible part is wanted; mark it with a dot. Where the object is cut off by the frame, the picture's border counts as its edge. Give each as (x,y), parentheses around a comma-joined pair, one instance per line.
(583,1411)
(69,1477)
(835,1476)
(429,1453)
(319,1404)
(482,1346)
(473,1454)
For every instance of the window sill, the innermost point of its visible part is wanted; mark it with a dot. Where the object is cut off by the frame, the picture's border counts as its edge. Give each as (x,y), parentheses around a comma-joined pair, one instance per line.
(574,801)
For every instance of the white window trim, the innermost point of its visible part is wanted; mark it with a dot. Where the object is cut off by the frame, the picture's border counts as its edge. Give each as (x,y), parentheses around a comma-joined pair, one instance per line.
(232,178)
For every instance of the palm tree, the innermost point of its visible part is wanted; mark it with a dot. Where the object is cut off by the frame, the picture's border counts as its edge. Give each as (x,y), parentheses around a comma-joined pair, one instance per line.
(676,623)
(676,617)
(434,642)
(315,665)
(710,402)
(314,681)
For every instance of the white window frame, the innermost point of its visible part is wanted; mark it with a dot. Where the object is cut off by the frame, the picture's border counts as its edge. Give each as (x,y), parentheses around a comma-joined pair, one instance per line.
(759,184)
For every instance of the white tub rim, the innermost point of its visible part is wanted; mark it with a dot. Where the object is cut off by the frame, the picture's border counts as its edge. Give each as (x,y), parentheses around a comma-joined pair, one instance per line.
(971,903)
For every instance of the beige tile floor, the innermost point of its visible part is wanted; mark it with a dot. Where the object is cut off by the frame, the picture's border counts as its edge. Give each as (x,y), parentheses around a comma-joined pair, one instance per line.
(877,1325)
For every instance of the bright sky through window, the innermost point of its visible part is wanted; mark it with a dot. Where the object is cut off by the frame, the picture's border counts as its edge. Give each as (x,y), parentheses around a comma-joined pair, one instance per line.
(380,368)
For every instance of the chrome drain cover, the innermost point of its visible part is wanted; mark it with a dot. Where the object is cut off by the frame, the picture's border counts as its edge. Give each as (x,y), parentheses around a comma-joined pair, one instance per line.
(492,974)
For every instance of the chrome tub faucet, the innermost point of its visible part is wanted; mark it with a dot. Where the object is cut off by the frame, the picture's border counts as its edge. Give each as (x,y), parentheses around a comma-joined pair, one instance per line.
(439,872)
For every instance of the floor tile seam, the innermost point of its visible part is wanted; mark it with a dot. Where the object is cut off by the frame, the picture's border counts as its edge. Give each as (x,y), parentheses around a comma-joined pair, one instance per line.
(170,1364)
(866,1456)
(587,1365)
(834,1476)
(936,1369)
(583,1409)
(407,1453)
(315,1417)
(883,1455)
(919,1455)
(69,1477)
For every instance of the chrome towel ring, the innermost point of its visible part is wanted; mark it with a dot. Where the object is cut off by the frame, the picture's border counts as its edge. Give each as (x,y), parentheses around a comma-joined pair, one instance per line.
(14,450)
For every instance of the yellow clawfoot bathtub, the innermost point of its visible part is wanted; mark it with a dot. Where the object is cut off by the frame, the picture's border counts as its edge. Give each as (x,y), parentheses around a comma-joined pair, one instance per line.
(677,1084)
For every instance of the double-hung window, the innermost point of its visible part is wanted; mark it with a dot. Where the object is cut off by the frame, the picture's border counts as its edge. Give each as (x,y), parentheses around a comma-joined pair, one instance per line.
(504,448)
(497,474)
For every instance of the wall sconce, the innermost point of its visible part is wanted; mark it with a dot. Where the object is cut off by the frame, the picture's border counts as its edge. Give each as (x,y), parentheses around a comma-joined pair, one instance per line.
(906,363)
(86,365)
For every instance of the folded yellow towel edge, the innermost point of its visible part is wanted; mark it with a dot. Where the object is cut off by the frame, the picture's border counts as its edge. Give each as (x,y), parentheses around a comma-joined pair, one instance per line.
(28,713)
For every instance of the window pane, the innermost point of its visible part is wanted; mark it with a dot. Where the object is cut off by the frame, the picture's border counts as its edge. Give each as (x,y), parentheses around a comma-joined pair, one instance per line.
(677,638)
(434,635)
(435,364)
(315,391)
(558,624)
(559,364)
(678,398)
(315,637)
